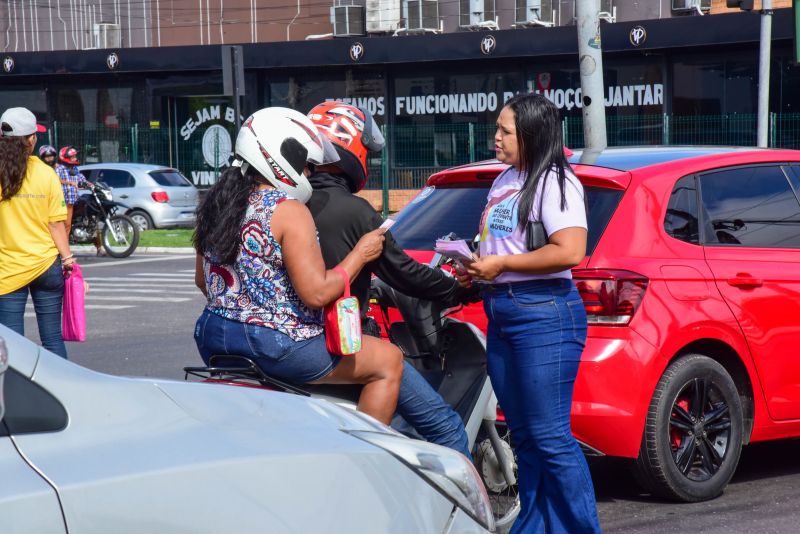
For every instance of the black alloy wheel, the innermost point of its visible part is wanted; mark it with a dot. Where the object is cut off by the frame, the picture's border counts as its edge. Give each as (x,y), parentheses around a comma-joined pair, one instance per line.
(693,437)
(700,429)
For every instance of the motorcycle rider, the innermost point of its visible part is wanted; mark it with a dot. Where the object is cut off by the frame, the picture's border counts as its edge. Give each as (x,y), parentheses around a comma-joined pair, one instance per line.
(47,153)
(342,218)
(72,179)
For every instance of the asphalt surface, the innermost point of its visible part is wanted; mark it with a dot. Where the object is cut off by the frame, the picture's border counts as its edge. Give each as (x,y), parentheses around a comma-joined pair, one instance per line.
(141,313)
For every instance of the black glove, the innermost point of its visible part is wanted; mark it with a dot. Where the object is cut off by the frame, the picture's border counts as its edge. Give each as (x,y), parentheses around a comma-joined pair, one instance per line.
(469,295)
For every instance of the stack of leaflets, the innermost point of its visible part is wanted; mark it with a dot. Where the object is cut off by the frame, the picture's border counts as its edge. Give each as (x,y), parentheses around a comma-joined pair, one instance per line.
(455,250)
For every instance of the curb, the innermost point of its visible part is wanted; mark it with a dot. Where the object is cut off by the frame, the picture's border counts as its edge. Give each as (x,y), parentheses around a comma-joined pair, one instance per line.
(142,250)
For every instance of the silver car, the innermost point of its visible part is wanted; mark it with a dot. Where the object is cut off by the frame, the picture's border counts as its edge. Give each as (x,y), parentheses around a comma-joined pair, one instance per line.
(158,196)
(84,452)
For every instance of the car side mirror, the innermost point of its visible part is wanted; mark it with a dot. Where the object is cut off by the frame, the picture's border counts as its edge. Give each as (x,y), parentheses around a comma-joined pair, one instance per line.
(3,369)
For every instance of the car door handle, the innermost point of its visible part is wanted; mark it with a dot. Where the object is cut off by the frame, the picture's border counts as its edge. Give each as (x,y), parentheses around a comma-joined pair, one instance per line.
(744,280)
(123,196)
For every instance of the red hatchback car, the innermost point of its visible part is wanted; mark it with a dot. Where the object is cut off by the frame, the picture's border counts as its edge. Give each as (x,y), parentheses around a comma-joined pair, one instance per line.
(691,284)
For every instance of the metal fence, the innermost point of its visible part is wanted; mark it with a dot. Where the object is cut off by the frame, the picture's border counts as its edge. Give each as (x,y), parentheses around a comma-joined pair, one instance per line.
(415,152)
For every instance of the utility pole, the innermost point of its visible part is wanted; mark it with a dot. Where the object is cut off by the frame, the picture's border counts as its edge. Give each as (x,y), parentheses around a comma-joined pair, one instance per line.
(764,55)
(233,78)
(591,69)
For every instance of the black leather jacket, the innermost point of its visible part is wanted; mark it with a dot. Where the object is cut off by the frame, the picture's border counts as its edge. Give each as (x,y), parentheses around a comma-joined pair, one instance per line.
(342,218)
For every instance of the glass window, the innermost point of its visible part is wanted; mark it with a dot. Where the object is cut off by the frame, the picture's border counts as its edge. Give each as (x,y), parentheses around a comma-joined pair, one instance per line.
(30,408)
(169,178)
(698,85)
(750,206)
(114,177)
(681,221)
(33,99)
(601,203)
(794,177)
(435,212)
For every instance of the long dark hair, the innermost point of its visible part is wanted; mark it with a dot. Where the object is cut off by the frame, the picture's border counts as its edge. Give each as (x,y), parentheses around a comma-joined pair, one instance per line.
(541,148)
(220,214)
(13,165)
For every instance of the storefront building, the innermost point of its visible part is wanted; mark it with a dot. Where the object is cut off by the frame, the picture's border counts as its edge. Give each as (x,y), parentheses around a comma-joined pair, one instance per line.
(676,80)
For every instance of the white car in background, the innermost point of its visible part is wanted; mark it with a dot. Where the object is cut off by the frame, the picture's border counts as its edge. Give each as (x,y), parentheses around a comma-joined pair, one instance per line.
(84,452)
(157,196)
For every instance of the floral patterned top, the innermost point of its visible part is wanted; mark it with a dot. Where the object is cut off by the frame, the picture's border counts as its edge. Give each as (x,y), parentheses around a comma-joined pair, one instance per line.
(256,289)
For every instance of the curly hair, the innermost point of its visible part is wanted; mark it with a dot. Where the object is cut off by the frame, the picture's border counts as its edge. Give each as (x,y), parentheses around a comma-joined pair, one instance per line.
(220,215)
(13,165)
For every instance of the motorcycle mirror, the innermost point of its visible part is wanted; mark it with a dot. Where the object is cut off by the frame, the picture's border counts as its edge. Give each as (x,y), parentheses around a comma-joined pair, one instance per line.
(476,241)
(437,260)
(3,369)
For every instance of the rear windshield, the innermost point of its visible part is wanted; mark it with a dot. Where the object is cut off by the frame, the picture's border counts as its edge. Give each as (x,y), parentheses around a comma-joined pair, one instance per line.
(437,212)
(169,179)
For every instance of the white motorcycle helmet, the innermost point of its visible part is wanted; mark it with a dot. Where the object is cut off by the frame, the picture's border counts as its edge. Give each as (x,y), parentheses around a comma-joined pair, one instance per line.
(278,143)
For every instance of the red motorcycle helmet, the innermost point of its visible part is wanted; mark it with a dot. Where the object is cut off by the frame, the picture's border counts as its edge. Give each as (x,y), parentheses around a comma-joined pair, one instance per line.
(354,134)
(68,155)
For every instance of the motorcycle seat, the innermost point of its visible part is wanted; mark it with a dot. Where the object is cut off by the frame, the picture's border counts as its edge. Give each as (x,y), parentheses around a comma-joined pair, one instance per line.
(233,368)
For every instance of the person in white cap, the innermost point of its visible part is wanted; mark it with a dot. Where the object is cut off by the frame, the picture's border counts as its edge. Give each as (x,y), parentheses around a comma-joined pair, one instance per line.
(34,248)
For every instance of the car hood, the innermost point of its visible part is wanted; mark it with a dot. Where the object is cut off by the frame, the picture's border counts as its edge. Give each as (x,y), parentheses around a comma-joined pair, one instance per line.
(228,406)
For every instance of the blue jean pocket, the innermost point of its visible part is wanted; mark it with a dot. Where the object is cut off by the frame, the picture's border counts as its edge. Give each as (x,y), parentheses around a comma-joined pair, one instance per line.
(530,299)
(268,343)
(577,314)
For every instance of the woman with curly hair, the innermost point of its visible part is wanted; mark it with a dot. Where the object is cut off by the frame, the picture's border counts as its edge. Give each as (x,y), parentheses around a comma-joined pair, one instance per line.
(34,248)
(261,268)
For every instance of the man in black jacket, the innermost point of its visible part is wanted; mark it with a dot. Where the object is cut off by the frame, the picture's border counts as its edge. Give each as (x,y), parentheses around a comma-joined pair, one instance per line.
(341,219)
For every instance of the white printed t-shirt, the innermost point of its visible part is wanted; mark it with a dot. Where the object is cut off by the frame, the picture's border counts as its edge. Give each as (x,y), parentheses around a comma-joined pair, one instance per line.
(501,235)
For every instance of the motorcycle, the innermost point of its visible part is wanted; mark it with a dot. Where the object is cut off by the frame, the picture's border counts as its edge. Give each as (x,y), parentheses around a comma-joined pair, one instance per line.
(95,213)
(450,354)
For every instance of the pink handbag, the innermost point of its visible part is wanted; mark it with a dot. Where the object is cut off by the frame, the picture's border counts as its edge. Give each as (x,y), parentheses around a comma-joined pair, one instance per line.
(73,320)
(343,321)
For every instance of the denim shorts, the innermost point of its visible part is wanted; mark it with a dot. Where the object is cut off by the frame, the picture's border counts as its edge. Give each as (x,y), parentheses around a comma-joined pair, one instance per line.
(276,353)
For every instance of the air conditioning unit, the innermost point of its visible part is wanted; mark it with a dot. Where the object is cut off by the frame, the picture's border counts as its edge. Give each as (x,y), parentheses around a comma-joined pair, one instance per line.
(691,5)
(608,12)
(107,35)
(534,13)
(476,12)
(422,15)
(348,20)
(383,15)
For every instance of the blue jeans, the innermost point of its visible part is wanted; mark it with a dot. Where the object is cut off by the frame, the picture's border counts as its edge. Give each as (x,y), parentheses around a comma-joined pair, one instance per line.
(47,292)
(426,411)
(275,352)
(537,331)
(306,361)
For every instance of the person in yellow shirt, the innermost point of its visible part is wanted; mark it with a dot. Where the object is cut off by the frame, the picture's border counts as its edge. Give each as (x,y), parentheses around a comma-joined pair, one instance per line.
(34,249)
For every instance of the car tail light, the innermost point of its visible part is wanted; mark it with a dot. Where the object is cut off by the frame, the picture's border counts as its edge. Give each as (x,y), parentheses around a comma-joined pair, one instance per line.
(611,297)
(160,196)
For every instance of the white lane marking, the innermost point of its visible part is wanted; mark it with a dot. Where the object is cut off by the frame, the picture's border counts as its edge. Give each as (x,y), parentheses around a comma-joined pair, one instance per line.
(32,313)
(132,279)
(137,299)
(101,289)
(142,260)
(176,275)
(162,289)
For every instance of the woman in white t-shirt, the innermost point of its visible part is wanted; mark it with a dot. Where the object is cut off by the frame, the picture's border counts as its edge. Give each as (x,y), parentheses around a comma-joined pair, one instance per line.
(537,322)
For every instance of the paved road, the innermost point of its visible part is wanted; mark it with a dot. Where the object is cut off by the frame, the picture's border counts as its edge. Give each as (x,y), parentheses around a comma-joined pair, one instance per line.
(141,313)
